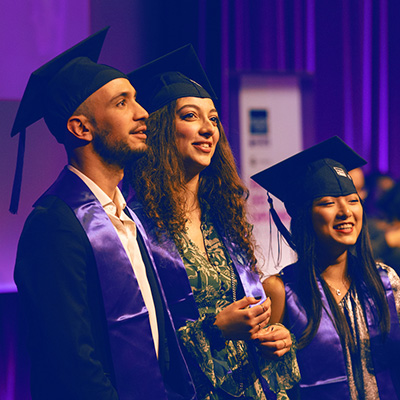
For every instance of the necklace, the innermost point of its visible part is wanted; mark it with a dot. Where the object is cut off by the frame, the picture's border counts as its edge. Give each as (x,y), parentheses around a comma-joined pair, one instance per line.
(338,291)
(234,285)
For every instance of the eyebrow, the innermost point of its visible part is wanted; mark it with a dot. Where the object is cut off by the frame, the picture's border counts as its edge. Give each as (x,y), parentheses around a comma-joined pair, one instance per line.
(196,107)
(122,94)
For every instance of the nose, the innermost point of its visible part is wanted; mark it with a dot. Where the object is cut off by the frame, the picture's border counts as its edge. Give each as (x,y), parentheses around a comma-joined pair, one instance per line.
(344,211)
(139,112)
(207,128)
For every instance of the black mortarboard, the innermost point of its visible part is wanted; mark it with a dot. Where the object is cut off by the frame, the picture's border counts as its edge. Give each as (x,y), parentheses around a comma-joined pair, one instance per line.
(316,172)
(56,90)
(170,77)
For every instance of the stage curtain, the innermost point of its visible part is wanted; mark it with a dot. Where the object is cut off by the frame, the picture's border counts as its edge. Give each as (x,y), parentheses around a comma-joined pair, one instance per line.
(349,50)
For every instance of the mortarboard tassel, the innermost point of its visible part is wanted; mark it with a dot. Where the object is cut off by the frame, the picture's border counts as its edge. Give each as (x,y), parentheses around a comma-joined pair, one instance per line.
(16,190)
(281,228)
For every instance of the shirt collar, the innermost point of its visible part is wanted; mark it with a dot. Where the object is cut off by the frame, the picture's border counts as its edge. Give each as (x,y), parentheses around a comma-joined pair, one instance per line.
(119,201)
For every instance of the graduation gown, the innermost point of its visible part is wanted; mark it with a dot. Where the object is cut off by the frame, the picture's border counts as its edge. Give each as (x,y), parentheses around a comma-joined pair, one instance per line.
(90,336)
(322,363)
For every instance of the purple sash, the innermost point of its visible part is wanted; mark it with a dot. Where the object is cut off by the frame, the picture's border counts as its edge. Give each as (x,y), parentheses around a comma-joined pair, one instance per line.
(171,270)
(135,362)
(176,284)
(249,279)
(174,277)
(322,364)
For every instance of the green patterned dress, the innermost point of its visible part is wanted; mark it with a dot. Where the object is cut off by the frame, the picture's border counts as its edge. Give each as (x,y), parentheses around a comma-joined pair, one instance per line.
(223,371)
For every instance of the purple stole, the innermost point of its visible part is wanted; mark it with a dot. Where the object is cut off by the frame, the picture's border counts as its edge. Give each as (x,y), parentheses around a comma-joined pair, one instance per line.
(174,277)
(135,362)
(322,363)
(176,284)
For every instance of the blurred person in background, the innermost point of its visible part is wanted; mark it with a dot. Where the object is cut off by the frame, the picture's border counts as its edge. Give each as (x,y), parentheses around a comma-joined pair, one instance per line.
(381,199)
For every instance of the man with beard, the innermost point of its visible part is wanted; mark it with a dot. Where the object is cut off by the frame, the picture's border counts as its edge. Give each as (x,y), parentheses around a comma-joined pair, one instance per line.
(98,324)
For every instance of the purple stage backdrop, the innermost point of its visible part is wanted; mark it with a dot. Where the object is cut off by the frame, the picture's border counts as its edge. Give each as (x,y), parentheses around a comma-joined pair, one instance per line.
(31,33)
(349,51)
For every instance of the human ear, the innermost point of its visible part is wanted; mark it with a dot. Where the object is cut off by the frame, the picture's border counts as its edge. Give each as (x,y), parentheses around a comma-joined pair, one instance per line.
(80,127)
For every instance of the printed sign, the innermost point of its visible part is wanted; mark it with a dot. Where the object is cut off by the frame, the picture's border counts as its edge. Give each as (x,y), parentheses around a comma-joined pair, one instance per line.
(270,131)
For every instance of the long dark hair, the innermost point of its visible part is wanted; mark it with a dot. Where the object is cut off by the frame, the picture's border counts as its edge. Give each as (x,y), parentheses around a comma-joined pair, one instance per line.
(362,270)
(159,181)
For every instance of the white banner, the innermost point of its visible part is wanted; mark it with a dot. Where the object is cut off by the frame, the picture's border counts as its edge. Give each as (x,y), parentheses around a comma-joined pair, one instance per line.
(270,131)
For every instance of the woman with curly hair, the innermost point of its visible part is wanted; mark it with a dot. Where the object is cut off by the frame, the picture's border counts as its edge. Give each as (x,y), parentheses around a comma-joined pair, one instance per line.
(342,306)
(191,201)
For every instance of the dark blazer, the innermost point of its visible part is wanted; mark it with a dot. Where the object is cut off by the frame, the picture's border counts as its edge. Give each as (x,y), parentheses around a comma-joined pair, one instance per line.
(57,281)
(59,287)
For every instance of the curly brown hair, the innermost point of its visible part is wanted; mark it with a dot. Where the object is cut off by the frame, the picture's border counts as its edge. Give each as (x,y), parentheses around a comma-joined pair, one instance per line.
(159,182)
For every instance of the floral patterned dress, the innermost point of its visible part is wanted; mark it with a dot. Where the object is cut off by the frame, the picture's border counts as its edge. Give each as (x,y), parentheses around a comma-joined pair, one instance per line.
(224,369)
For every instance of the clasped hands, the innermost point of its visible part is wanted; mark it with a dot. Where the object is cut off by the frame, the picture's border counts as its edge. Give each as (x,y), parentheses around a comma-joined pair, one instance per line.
(238,321)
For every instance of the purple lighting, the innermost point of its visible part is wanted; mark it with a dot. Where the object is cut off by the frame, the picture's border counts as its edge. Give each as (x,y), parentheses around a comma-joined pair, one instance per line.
(383,159)
(31,33)
(310,32)
(347,78)
(367,77)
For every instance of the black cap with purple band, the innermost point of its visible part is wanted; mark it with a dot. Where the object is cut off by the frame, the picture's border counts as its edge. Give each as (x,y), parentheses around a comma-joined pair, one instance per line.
(321,170)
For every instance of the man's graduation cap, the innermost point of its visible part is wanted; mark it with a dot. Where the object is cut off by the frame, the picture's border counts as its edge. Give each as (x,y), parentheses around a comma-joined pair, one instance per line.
(56,90)
(170,77)
(321,170)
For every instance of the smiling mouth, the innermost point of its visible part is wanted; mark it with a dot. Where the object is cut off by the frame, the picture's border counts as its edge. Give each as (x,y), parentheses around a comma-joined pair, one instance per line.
(203,145)
(343,227)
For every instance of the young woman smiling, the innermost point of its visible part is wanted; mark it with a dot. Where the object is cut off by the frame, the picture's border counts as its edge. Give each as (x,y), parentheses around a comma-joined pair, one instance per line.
(342,307)
(191,201)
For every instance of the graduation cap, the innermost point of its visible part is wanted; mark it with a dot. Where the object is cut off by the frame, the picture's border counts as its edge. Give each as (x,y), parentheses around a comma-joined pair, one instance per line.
(170,77)
(321,170)
(56,90)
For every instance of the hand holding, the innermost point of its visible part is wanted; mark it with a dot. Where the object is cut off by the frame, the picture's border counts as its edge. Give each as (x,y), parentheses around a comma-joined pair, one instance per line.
(238,321)
(274,341)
